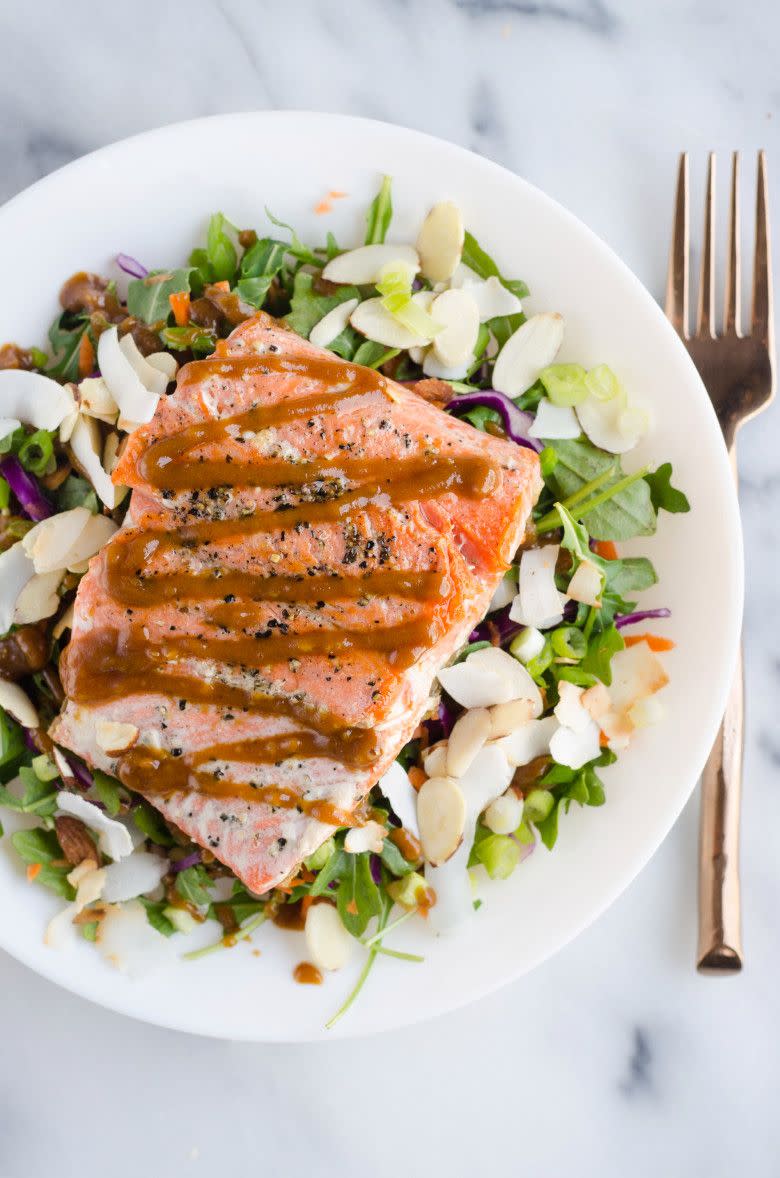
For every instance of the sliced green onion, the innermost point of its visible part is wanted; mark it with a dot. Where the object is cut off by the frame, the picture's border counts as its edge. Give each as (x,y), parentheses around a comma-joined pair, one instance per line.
(320,856)
(181,919)
(36,452)
(537,805)
(44,769)
(406,892)
(602,383)
(499,854)
(537,667)
(5,494)
(395,287)
(569,643)
(565,383)
(39,358)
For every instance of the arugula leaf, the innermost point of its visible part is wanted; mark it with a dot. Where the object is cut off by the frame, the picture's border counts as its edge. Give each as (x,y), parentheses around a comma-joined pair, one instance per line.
(296,246)
(242,904)
(37,797)
(201,270)
(180,339)
(220,251)
(308,307)
(504,326)
(41,847)
(12,746)
(109,790)
(147,298)
(482,264)
(394,860)
(151,823)
(259,266)
(156,917)
(380,213)
(193,885)
(630,513)
(663,495)
(582,786)
(76,492)
(373,355)
(65,337)
(333,869)
(358,897)
(601,648)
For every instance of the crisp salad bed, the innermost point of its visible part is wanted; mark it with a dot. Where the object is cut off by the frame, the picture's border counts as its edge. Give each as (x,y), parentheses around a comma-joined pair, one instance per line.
(553,684)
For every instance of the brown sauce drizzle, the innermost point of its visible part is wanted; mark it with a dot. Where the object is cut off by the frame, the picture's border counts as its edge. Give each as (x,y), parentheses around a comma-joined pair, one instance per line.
(110,664)
(307,974)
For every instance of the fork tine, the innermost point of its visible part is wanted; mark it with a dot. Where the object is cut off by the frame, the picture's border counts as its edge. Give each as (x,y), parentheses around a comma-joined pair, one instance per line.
(733,266)
(761,319)
(705,314)
(677,274)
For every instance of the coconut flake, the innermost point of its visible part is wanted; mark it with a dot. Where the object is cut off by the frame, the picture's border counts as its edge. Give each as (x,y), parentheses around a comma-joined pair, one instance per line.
(96,400)
(164,362)
(570,709)
(85,445)
(128,941)
(16,569)
(364,265)
(505,593)
(113,838)
(554,421)
(8,425)
(136,875)
(575,749)
(401,795)
(527,352)
(369,837)
(487,677)
(527,742)
(586,584)
(18,704)
(150,375)
(34,399)
(538,602)
(332,324)
(135,401)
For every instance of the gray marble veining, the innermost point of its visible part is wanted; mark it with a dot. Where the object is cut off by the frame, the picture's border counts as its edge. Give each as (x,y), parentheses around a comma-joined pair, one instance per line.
(614,1058)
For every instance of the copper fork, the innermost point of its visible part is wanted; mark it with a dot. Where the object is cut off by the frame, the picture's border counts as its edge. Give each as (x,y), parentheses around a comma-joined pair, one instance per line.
(738,372)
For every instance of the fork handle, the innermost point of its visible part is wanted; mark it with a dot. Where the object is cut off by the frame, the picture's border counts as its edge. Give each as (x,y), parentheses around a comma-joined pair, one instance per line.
(720,920)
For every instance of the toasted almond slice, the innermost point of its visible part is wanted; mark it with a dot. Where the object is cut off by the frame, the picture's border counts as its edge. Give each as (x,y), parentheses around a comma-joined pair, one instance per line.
(376,323)
(332,324)
(328,942)
(440,242)
(530,349)
(504,815)
(18,704)
(435,760)
(466,739)
(586,584)
(363,265)
(457,313)
(505,718)
(441,816)
(114,737)
(365,838)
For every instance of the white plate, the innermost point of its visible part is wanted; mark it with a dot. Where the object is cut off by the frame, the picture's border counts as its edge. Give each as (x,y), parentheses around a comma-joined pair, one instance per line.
(150,196)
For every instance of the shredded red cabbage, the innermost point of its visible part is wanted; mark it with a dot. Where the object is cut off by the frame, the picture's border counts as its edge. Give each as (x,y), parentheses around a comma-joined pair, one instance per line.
(131,266)
(496,625)
(25,487)
(516,421)
(375,865)
(190,860)
(443,725)
(641,616)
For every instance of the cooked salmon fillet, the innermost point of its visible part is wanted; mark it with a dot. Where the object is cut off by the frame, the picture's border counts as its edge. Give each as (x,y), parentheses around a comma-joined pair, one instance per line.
(306,544)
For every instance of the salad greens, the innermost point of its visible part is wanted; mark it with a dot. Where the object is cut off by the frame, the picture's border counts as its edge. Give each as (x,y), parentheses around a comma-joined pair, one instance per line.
(588,502)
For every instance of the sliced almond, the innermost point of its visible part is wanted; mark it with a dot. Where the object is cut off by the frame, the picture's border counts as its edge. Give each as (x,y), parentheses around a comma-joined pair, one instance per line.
(111,451)
(165,363)
(16,569)
(466,739)
(458,314)
(50,541)
(370,837)
(376,323)
(440,242)
(114,737)
(75,840)
(328,942)
(441,816)
(610,424)
(433,367)
(86,449)
(505,718)
(365,264)
(525,354)
(18,704)
(586,584)
(39,598)
(95,399)
(435,760)
(332,324)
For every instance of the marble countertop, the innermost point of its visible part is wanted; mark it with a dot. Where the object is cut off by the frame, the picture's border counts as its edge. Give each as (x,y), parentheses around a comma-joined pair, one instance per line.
(615,1057)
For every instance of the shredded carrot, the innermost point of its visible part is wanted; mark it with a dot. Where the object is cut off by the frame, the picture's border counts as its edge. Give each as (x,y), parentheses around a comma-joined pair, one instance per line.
(603,740)
(352,908)
(306,904)
(334,194)
(417,777)
(86,355)
(654,641)
(33,870)
(605,549)
(322,207)
(180,305)
(223,285)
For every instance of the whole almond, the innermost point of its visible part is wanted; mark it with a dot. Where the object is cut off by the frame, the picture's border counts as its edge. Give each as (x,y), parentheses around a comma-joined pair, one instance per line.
(75,840)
